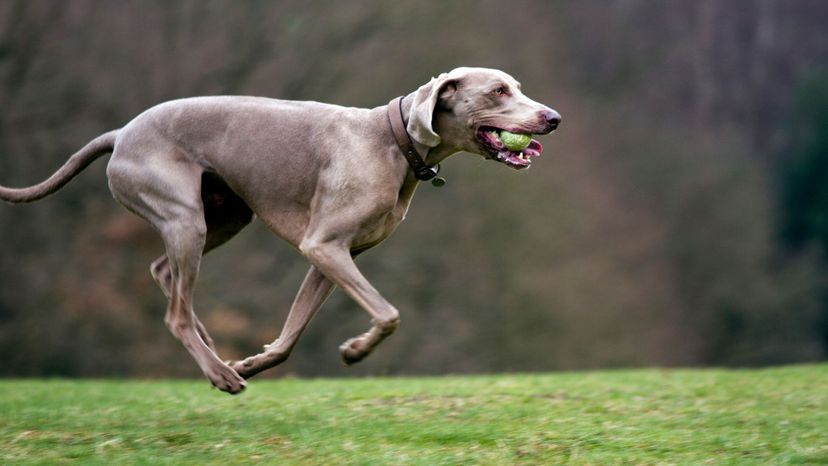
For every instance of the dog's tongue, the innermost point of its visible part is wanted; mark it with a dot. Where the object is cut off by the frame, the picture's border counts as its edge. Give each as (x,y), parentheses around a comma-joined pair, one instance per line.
(534,148)
(522,158)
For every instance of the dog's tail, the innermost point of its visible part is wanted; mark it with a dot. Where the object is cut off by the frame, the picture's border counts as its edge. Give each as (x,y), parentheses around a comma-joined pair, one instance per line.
(99,146)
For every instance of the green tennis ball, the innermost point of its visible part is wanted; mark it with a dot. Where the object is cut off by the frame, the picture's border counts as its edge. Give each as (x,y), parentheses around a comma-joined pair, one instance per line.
(515,141)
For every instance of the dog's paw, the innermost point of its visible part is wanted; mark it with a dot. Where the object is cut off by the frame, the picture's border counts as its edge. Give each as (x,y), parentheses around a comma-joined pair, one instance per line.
(352,351)
(239,367)
(226,379)
(252,365)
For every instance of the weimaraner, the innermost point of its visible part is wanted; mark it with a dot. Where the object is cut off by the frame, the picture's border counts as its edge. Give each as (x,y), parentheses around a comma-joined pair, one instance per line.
(330,180)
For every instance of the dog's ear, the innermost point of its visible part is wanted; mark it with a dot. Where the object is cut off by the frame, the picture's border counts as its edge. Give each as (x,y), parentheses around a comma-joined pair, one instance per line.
(422,110)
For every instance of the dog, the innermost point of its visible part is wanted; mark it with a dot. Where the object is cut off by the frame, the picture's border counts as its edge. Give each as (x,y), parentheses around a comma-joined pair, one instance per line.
(331,181)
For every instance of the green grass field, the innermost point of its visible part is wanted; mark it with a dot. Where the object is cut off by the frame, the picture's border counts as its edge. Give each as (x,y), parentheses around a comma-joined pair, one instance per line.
(771,416)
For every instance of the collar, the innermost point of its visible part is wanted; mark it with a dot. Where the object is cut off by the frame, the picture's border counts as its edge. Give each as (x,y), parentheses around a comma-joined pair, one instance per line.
(421,170)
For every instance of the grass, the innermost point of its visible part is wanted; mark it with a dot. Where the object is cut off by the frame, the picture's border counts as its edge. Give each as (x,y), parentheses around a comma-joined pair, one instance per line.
(771,416)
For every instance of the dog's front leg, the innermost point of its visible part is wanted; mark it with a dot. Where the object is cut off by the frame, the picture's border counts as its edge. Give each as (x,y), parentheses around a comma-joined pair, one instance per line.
(335,261)
(314,291)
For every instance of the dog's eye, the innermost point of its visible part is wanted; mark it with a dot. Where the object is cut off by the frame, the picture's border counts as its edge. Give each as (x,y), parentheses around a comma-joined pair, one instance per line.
(499,91)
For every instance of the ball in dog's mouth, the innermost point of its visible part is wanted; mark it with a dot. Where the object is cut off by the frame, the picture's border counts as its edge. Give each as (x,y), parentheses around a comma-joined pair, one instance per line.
(513,149)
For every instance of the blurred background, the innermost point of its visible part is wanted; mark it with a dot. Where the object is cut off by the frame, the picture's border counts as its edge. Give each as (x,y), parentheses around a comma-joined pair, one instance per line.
(679,216)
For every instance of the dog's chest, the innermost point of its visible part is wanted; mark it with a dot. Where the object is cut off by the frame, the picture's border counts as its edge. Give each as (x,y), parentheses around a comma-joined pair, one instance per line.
(381,227)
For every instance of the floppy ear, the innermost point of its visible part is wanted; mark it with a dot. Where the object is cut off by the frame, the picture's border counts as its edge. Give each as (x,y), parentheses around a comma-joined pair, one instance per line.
(422,110)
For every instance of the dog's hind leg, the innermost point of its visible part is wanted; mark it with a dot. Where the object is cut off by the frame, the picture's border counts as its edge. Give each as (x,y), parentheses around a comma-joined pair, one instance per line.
(162,274)
(165,190)
(225,215)
(184,239)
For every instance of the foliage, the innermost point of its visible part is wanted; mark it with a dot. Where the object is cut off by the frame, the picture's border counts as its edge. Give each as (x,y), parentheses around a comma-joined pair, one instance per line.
(803,175)
(805,169)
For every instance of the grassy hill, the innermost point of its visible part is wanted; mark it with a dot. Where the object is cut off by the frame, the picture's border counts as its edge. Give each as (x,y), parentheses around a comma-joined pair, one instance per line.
(652,416)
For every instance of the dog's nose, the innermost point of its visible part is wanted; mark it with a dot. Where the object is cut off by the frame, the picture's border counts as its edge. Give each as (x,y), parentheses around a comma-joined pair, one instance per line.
(553,118)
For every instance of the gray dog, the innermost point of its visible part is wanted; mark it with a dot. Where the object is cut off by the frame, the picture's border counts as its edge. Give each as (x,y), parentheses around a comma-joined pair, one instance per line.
(331,181)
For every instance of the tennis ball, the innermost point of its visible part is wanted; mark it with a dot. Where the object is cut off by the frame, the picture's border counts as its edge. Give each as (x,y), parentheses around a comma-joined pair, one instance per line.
(515,141)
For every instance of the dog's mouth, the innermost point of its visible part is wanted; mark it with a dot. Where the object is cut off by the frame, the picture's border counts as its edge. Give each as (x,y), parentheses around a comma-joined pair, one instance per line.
(494,148)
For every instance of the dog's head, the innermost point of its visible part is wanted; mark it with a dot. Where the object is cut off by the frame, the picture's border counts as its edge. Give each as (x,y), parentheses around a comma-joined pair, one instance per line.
(467,108)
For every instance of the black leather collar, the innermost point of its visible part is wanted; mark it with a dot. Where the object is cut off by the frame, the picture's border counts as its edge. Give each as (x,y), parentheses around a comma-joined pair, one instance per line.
(422,171)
